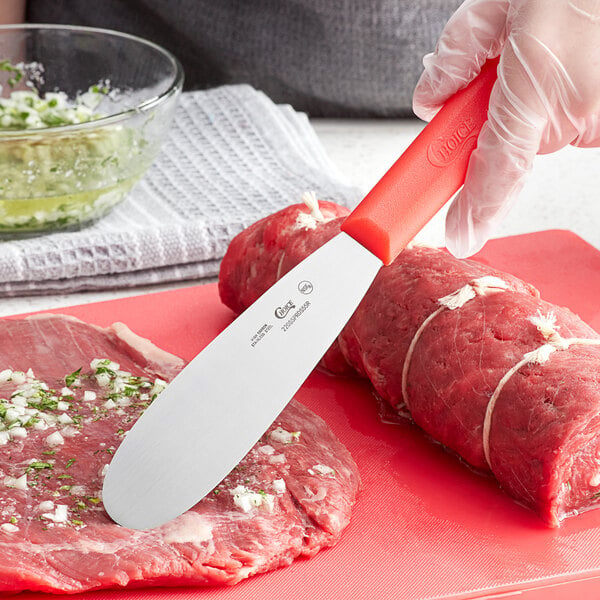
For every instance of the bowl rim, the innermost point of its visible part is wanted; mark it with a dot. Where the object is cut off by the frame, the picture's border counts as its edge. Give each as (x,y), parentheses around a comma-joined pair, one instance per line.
(174,88)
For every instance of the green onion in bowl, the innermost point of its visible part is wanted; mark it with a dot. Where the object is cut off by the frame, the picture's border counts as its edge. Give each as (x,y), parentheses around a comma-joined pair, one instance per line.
(73,141)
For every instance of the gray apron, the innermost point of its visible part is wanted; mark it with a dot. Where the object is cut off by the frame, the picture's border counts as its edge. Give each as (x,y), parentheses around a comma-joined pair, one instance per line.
(333,58)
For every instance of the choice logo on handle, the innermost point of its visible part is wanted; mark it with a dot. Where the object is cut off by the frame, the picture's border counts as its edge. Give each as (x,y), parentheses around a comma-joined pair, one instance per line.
(447,148)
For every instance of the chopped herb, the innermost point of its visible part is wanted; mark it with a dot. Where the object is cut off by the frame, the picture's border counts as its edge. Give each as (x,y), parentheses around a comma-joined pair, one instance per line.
(17,72)
(100,370)
(49,452)
(44,400)
(38,465)
(64,476)
(69,463)
(70,379)
(77,522)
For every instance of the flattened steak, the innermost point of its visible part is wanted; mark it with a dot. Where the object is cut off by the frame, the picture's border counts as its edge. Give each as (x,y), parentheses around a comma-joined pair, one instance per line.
(473,356)
(69,392)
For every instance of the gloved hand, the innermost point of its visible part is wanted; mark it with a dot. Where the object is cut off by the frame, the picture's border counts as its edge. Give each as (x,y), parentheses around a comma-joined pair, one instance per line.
(547,96)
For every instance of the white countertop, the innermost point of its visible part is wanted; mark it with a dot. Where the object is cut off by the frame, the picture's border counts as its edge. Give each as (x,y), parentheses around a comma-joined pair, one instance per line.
(562,193)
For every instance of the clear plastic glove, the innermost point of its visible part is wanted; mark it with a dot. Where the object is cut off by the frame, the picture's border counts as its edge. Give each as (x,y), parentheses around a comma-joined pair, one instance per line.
(547,96)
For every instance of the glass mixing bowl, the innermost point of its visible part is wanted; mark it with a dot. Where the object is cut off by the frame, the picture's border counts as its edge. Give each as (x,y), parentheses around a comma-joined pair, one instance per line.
(68,175)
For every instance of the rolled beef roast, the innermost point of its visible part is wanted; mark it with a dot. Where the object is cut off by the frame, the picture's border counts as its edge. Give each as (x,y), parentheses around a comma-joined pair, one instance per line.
(509,382)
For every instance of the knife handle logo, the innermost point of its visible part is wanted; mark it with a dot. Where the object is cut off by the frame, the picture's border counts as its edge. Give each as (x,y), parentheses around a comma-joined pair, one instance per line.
(282,311)
(448,147)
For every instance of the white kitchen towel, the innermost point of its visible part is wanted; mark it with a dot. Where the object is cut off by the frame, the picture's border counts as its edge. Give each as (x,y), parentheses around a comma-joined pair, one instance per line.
(232,157)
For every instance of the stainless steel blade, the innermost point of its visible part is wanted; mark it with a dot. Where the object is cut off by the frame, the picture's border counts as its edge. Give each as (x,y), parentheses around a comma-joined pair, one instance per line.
(217,408)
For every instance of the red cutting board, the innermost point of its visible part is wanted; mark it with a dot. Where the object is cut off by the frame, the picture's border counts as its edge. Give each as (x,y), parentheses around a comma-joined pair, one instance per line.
(425,526)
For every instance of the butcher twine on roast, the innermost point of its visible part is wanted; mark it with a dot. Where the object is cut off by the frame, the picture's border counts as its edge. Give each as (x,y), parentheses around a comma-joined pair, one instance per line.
(509,382)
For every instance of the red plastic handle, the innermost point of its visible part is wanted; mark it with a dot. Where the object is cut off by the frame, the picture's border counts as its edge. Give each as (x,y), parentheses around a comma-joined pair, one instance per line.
(426,176)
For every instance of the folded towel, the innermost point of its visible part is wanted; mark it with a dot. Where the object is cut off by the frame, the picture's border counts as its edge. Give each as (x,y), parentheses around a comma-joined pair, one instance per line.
(232,157)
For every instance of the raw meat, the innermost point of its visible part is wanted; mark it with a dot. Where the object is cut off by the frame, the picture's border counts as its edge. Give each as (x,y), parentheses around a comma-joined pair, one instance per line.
(69,392)
(473,356)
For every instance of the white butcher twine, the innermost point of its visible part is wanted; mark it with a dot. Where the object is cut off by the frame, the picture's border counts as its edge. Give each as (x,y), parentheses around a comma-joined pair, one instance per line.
(481,286)
(311,220)
(546,325)
(306,220)
(311,201)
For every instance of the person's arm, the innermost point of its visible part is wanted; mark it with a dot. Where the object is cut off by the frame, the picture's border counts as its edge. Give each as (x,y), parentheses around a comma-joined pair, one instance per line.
(547,96)
(12,11)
